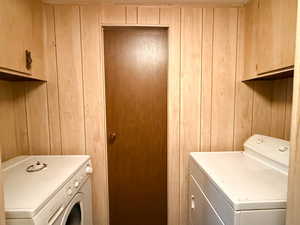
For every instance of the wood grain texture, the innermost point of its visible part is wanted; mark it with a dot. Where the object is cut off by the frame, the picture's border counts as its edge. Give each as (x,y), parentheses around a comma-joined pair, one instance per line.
(131,15)
(20,114)
(224,72)
(52,85)
(69,62)
(2,210)
(13,136)
(276,34)
(191,41)
(171,16)
(7,121)
(37,118)
(111,14)
(136,105)
(262,110)
(288,109)
(251,13)
(243,92)
(207,74)
(15,41)
(37,46)
(148,15)
(93,86)
(22,32)
(278,112)
(293,216)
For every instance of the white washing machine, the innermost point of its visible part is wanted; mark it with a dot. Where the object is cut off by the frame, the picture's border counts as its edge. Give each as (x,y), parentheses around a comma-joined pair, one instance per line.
(240,188)
(48,190)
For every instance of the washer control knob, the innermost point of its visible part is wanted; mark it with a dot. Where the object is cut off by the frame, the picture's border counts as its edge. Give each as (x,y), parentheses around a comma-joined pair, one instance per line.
(69,191)
(76,184)
(260,140)
(88,170)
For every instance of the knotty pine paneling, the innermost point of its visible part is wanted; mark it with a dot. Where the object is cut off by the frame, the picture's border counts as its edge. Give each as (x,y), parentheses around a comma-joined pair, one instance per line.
(209,108)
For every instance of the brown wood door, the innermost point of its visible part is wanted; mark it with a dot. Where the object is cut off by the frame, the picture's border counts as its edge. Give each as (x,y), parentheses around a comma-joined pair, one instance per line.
(136,62)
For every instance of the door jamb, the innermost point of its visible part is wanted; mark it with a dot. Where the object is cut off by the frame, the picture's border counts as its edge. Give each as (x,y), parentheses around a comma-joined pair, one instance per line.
(173,163)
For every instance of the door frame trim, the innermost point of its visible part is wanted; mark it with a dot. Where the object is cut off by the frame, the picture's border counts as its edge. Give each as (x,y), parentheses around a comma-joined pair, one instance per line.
(173,122)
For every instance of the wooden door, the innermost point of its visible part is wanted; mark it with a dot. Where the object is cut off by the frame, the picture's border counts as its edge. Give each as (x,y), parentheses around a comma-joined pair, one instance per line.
(136,61)
(276,34)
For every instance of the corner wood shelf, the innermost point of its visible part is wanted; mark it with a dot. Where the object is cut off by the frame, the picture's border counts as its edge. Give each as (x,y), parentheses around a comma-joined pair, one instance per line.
(11,75)
(273,75)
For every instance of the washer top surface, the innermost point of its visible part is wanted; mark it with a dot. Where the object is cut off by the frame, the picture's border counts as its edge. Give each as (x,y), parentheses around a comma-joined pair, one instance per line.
(247,182)
(29,191)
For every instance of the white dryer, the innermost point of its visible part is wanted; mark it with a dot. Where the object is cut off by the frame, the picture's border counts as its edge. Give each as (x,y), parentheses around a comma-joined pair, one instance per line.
(48,190)
(240,188)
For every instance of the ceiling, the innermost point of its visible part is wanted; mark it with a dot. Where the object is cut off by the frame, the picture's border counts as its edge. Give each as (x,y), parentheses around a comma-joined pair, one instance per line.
(148,1)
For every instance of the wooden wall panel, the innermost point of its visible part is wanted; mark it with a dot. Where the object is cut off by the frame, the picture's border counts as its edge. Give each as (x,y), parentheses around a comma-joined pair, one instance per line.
(95,129)
(13,135)
(113,14)
(207,74)
(243,92)
(69,56)
(262,107)
(224,72)
(2,213)
(148,15)
(37,118)
(171,16)
(52,84)
(7,121)
(191,42)
(131,15)
(272,108)
(278,108)
(293,215)
(20,113)
(288,110)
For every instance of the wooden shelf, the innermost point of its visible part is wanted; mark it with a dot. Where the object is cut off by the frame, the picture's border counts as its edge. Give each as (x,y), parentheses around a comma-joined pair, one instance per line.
(273,75)
(17,76)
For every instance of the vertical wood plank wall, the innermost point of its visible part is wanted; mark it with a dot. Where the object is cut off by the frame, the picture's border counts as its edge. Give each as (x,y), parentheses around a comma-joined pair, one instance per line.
(209,108)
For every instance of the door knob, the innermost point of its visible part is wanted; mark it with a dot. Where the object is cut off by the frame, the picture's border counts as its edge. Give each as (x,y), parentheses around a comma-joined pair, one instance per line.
(112,137)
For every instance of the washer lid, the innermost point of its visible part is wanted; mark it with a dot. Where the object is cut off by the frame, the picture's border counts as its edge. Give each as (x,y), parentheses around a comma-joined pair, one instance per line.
(245,182)
(25,193)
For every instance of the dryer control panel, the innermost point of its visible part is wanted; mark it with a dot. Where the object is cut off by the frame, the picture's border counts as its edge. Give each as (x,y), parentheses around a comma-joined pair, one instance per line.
(269,149)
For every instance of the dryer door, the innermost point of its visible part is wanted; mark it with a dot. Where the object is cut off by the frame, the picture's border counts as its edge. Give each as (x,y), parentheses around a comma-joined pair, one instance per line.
(73,214)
